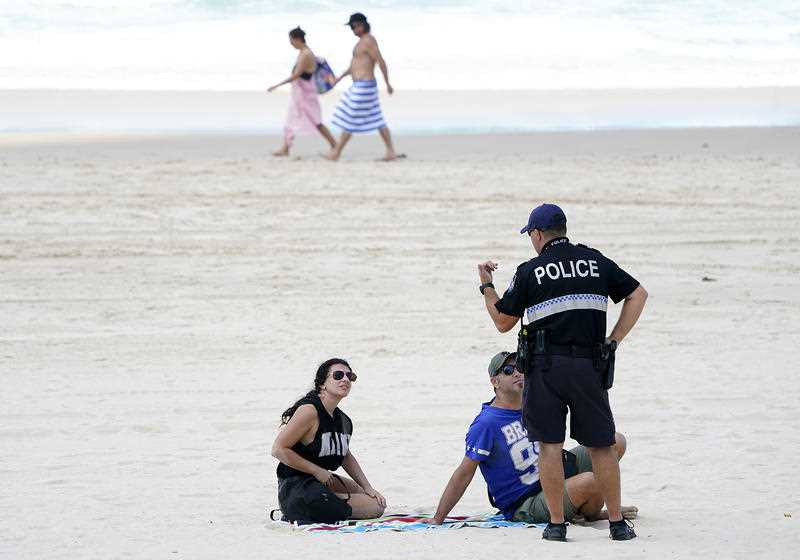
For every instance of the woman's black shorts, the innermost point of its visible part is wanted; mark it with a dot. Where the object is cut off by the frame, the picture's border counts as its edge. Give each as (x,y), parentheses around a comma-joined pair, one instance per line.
(305,500)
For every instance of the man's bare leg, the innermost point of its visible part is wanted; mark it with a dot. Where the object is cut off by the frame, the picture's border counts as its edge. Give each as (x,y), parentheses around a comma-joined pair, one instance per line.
(327,135)
(336,151)
(551,476)
(387,140)
(585,495)
(628,512)
(605,464)
(620,445)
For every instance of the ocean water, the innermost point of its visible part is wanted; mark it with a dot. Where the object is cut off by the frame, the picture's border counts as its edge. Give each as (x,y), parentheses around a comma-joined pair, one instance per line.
(437,44)
(584,65)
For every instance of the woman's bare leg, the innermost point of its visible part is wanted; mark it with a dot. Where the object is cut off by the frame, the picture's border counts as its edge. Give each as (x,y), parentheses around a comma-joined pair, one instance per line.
(283,150)
(363,506)
(343,485)
(327,135)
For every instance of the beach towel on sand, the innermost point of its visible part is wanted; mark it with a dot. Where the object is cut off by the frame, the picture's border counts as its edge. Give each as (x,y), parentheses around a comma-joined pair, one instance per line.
(359,109)
(408,522)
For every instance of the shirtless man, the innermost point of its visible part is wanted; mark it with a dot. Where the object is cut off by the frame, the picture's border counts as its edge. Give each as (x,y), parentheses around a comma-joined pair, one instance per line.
(359,108)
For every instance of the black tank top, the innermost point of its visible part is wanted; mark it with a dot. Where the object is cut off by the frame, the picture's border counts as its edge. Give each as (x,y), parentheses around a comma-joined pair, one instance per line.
(330,444)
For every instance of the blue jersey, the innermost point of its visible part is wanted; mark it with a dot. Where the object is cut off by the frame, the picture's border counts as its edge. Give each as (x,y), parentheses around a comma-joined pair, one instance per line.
(509,462)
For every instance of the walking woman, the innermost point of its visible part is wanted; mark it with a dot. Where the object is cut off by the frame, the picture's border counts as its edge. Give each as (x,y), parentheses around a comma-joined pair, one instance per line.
(305,114)
(313,443)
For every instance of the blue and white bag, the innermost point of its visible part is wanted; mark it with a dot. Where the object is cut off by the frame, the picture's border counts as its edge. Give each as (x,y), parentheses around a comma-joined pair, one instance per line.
(324,76)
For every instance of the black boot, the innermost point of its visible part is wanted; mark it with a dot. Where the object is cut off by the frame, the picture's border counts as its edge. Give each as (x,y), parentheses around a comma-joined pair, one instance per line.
(621,530)
(555,532)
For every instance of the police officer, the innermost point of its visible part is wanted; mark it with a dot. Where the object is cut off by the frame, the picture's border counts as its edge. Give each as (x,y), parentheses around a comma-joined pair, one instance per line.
(561,298)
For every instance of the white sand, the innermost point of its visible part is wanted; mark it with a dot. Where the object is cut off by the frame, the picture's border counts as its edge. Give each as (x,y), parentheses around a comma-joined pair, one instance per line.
(164,298)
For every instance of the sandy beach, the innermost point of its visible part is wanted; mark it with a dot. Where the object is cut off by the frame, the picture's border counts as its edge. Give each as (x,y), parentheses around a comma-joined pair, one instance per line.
(164,298)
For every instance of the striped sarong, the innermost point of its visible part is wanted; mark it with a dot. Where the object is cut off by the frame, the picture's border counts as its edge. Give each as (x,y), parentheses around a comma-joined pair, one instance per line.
(359,109)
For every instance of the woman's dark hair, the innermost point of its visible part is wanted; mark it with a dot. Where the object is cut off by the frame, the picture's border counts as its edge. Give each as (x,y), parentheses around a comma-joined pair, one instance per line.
(319,380)
(298,33)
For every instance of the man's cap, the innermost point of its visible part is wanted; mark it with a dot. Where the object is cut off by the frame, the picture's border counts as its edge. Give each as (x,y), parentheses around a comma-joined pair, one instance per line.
(498,360)
(545,217)
(357,17)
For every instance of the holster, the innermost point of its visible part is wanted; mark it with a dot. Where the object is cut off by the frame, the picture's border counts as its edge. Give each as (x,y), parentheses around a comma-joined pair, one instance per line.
(542,347)
(604,356)
(523,357)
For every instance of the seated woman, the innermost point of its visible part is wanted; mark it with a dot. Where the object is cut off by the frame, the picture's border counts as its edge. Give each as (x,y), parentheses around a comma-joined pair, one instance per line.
(313,443)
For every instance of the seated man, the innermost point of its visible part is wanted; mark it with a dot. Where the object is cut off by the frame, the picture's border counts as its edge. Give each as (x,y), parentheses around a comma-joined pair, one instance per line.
(498,442)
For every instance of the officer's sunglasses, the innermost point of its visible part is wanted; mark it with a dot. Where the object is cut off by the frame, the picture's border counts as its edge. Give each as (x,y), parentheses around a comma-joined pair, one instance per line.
(507,369)
(338,375)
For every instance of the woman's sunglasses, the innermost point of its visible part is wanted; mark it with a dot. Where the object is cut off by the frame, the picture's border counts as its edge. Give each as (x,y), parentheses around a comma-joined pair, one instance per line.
(338,375)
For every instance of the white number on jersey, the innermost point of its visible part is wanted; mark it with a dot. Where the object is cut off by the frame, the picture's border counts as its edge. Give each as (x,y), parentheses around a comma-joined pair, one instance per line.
(525,454)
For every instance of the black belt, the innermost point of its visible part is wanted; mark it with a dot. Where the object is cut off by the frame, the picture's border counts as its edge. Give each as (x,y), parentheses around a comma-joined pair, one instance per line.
(563,350)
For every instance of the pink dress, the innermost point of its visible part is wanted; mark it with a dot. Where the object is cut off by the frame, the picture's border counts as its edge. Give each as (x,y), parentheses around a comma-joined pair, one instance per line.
(305,113)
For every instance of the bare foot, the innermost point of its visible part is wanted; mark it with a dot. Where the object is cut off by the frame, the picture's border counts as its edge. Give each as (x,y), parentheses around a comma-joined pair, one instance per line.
(331,156)
(391,156)
(281,153)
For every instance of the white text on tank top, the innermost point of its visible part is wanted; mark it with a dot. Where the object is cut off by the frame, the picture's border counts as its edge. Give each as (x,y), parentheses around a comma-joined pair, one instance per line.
(334,443)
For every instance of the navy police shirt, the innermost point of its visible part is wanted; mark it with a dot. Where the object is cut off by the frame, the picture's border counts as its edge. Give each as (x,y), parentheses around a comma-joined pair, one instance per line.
(565,290)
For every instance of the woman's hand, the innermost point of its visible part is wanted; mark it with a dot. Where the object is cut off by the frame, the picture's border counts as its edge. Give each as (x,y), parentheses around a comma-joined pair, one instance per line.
(271,89)
(324,476)
(375,495)
(431,521)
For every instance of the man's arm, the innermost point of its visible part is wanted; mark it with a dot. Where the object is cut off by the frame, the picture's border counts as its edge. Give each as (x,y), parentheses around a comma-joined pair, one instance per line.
(375,53)
(503,322)
(344,74)
(631,309)
(455,488)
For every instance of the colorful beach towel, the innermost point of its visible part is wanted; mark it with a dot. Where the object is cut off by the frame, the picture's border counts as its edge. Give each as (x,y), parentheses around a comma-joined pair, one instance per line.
(409,522)
(359,109)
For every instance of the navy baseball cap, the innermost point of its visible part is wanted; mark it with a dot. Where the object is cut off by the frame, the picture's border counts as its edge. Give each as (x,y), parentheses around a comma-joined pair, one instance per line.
(545,217)
(357,17)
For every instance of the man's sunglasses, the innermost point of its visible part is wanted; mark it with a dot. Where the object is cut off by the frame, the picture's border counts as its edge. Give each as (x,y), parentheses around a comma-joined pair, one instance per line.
(507,369)
(338,375)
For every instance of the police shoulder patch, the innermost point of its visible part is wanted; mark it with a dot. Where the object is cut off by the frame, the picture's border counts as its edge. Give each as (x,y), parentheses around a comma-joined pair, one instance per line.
(511,284)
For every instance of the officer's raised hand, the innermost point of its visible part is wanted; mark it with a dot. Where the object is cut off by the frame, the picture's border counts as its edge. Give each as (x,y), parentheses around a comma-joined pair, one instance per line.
(485,271)
(503,322)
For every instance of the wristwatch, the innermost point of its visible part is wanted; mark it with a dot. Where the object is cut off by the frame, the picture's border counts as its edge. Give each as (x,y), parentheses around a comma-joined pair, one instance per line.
(484,286)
